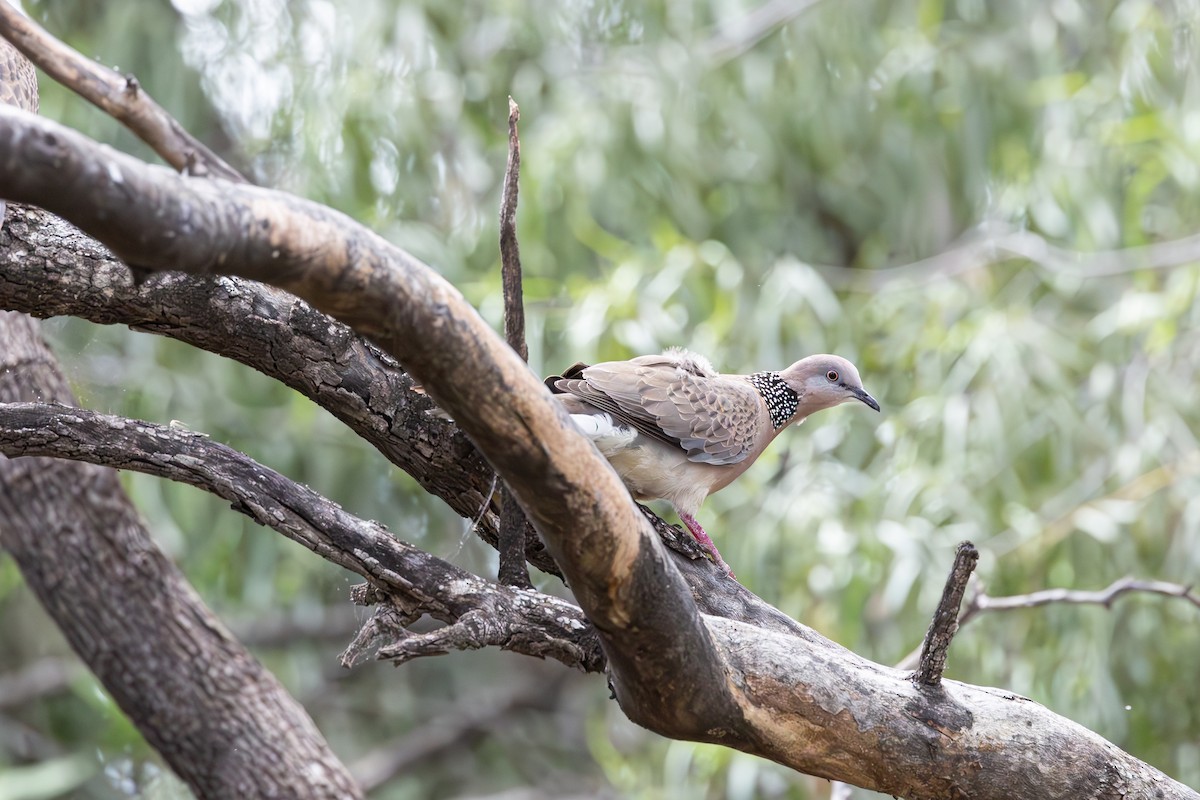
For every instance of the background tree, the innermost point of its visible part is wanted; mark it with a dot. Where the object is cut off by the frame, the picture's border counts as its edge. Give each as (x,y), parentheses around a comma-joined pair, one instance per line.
(686,177)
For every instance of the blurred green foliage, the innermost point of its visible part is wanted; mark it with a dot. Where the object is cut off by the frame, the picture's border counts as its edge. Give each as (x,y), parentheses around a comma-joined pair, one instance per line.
(695,174)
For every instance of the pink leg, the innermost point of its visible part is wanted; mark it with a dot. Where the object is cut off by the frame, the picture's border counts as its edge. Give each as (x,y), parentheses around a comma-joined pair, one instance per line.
(705,541)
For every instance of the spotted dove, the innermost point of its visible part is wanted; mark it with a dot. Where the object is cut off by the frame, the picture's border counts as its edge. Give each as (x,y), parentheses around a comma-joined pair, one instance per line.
(675,429)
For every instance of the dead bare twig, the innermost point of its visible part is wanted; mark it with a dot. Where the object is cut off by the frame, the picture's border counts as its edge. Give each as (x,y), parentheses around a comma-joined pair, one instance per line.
(119,96)
(980,602)
(514,529)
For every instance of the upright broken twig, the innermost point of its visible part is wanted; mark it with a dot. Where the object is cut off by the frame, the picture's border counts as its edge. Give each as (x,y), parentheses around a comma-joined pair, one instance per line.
(513,529)
(945,619)
(510,251)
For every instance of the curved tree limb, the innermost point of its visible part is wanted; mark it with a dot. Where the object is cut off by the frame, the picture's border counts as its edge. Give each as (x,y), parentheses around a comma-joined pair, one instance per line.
(49,268)
(526,622)
(815,708)
(617,568)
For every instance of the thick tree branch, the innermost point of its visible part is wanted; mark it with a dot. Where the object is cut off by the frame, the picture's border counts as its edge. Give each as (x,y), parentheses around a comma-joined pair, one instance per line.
(48,268)
(816,708)
(382,291)
(417,582)
(51,269)
(618,570)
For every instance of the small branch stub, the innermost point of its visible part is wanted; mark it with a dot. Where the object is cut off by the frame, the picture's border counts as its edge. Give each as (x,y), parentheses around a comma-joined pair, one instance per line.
(945,620)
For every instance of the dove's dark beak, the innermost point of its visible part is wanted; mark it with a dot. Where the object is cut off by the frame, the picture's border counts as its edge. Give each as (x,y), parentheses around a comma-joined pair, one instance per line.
(866,398)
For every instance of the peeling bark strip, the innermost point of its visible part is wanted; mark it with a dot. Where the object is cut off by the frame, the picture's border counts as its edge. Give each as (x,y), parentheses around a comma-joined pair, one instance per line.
(221,721)
(801,702)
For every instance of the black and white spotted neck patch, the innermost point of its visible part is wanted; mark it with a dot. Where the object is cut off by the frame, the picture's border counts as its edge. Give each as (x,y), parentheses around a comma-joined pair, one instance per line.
(782,401)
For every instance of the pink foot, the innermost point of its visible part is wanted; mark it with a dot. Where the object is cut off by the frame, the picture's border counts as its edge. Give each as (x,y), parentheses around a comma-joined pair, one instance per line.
(705,541)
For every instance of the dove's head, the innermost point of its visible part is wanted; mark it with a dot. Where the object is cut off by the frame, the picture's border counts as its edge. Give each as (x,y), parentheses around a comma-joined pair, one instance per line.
(824,381)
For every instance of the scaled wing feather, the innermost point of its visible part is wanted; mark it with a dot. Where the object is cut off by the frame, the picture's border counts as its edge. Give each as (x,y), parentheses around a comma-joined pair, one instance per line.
(676,401)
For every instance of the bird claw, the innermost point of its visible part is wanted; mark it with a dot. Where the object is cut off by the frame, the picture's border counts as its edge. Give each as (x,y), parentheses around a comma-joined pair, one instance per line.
(706,542)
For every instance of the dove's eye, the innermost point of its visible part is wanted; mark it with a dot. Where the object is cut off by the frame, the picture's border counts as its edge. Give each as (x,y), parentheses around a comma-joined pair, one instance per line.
(832,375)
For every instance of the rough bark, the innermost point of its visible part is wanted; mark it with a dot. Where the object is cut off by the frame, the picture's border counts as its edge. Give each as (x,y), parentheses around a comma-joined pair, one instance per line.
(221,720)
(48,268)
(796,700)
(408,581)
(944,625)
